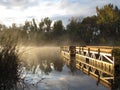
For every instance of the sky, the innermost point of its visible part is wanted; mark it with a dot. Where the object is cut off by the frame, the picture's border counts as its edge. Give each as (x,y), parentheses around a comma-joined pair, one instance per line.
(18,11)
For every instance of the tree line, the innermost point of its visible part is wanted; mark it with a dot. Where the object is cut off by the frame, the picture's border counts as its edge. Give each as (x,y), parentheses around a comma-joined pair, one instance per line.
(100,29)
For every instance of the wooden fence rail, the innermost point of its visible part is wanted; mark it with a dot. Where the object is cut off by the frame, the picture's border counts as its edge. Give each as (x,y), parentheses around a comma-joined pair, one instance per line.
(100,62)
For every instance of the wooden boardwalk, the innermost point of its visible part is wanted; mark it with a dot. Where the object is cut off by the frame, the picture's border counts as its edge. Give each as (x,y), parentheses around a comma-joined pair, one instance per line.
(100,62)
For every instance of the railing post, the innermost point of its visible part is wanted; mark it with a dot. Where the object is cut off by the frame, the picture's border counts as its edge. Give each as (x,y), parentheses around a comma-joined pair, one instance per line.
(72,50)
(116,80)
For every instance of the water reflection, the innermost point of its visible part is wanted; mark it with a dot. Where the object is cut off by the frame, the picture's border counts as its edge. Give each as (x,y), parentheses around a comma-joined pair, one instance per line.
(46,61)
(44,69)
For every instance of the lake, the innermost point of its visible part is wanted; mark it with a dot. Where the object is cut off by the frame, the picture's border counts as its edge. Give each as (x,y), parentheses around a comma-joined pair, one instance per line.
(44,69)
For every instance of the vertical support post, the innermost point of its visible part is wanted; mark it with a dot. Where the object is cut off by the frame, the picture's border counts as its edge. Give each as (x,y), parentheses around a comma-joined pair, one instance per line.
(72,50)
(89,52)
(116,80)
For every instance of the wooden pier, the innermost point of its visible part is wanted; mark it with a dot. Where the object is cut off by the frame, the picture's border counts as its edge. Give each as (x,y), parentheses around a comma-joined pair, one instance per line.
(100,62)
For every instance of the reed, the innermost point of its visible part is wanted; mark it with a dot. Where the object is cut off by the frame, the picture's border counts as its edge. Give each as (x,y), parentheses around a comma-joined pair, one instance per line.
(9,64)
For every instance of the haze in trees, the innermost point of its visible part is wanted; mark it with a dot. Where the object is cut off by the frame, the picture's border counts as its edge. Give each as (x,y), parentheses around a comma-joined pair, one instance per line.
(100,29)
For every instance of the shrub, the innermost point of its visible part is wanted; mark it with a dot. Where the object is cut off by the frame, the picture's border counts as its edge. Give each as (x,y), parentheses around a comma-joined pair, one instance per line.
(9,63)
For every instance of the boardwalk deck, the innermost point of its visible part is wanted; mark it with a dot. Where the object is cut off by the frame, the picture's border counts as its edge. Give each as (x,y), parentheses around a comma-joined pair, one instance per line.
(100,62)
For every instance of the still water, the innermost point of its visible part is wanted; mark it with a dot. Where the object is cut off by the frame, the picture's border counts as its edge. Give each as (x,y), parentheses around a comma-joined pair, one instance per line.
(44,69)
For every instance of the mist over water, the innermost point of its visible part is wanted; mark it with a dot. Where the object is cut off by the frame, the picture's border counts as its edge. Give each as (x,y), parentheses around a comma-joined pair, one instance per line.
(34,55)
(30,51)
(44,69)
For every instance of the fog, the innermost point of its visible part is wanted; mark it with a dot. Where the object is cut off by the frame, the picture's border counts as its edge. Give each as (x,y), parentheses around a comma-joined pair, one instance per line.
(57,76)
(34,54)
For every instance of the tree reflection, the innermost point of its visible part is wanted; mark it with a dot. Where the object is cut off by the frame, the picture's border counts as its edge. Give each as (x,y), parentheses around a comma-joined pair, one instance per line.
(46,66)
(58,65)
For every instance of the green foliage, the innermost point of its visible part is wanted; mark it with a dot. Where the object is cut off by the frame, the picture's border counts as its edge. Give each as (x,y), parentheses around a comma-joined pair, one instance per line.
(116,54)
(108,14)
(47,23)
(58,29)
(74,30)
(89,26)
(108,18)
(73,25)
(34,25)
(102,40)
(97,29)
(41,25)
(27,25)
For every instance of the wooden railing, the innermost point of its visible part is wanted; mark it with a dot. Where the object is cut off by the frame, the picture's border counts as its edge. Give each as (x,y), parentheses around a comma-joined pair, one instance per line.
(102,62)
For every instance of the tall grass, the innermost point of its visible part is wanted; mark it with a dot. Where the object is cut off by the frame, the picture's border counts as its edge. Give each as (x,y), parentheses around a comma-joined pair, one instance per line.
(9,62)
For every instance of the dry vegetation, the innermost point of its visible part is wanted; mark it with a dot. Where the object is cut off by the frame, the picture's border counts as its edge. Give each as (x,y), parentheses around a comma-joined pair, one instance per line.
(9,62)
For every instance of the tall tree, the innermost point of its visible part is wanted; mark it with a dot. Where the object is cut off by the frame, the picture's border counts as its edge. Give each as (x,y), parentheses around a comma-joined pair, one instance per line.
(27,25)
(74,31)
(90,28)
(41,25)
(58,27)
(47,23)
(107,17)
(34,25)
